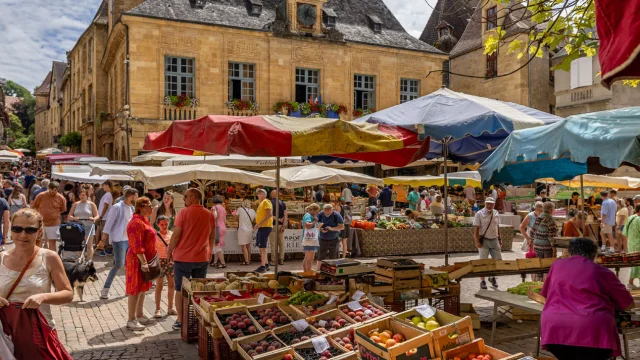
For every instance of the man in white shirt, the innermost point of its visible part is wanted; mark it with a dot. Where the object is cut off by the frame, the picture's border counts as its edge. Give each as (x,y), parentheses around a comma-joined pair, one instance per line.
(487,236)
(347,195)
(116,228)
(105,204)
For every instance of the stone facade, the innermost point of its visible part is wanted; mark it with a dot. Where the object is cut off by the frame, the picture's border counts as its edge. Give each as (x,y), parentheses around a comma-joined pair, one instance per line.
(213,47)
(44,137)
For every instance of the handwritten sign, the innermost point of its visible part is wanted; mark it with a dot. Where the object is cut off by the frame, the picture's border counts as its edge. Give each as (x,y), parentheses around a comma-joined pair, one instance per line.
(354,305)
(300,325)
(235,292)
(332,300)
(357,295)
(320,344)
(261,298)
(426,310)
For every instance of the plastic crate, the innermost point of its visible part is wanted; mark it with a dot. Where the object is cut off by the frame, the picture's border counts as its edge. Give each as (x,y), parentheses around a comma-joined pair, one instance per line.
(205,342)
(189,330)
(222,351)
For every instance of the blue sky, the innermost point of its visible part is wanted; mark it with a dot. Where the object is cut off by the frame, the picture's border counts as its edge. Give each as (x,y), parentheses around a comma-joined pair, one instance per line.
(34,33)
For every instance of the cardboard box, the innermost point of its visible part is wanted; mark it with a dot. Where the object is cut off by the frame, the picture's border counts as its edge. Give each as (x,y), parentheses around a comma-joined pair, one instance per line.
(453,335)
(507,265)
(533,263)
(418,345)
(468,310)
(478,347)
(433,278)
(443,318)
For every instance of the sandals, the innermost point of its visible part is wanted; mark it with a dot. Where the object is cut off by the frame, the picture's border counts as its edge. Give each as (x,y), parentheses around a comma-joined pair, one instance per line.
(158,314)
(245,263)
(221,266)
(172,312)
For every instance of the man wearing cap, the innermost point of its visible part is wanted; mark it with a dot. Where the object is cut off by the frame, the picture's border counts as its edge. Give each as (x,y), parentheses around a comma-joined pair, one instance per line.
(487,236)
(330,223)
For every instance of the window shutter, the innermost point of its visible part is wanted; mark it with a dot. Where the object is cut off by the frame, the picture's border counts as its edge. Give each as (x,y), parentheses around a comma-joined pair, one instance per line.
(586,77)
(574,73)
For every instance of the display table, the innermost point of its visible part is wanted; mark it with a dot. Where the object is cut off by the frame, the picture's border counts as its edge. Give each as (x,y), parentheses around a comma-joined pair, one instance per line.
(510,219)
(511,301)
(423,241)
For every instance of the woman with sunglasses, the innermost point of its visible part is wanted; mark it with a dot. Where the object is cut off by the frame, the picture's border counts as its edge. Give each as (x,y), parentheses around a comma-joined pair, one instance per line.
(142,249)
(41,267)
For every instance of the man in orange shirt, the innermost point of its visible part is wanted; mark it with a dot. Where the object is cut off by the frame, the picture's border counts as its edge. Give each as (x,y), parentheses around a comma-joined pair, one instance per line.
(51,204)
(193,238)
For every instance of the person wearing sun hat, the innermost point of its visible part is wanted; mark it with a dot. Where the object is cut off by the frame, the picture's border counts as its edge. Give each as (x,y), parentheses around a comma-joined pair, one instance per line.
(487,236)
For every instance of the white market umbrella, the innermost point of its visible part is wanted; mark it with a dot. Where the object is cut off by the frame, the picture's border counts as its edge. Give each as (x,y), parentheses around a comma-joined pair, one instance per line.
(24,151)
(202,174)
(154,157)
(233,160)
(4,159)
(86,177)
(9,154)
(311,175)
(48,151)
(589,180)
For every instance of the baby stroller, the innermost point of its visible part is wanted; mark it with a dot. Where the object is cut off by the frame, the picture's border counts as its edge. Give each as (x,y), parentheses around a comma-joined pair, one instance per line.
(74,237)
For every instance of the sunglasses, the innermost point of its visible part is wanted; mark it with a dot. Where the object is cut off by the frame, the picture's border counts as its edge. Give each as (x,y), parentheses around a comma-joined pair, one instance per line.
(29,229)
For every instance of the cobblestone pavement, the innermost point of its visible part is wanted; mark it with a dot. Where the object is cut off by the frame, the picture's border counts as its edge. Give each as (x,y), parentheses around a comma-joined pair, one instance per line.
(96,329)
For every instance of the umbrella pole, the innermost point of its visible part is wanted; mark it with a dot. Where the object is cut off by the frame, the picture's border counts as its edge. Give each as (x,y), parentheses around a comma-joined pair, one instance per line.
(584,217)
(277,209)
(445,150)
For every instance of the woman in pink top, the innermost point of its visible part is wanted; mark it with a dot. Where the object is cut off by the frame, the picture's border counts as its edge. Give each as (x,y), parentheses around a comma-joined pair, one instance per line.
(163,237)
(220,214)
(578,318)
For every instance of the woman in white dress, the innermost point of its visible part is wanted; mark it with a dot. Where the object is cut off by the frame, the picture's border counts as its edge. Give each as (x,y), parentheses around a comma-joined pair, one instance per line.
(245,216)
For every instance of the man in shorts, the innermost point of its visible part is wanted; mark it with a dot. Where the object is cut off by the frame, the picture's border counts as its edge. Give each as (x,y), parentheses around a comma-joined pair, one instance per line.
(51,204)
(263,228)
(608,221)
(487,236)
(193,239)
(104,205)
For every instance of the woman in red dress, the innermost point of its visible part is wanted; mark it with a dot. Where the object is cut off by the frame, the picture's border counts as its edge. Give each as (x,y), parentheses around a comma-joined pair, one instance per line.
(142,248)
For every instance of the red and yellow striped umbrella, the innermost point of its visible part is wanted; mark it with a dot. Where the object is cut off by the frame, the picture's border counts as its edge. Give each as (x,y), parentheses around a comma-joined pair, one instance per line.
(281,136)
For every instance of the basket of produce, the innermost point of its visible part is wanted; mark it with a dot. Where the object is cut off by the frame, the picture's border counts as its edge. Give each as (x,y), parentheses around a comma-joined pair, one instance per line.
(330,321)
(426,318)
(194,286)
(309,303)
(395,224)
(210,305)
(269,316)
(296,332)
(362,311)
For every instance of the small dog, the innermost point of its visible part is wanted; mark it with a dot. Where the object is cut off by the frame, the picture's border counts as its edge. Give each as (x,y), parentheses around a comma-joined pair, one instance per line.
(79,274)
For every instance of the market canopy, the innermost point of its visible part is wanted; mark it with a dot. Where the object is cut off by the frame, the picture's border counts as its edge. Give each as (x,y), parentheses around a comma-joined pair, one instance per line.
(311,175)
(57,158)
(282,136)
(427,180)
(160,177)
(240,161)
(619,40)
(26,151)
(9,154)
(597,181)
(153,157)
(594,143)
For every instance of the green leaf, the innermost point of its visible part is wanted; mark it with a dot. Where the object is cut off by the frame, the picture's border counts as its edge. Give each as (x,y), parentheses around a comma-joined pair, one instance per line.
(514,46)
(632,83)
(491,44)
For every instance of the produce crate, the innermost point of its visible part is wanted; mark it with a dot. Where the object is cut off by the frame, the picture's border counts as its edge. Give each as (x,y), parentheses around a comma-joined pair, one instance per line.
(443,318)
(468,310)
(205,341)
(244,346)
(200,286)
(189,329)
(547,262)
(533,263)
(305,350)
(507,265)
(222,350)
(433,278)
(397,263)
(518,314)
(397,274)
(483,265)
(346,310)
(315,321)
(478,347)
(271,307)
(404,284)
(330,285)
(284,333)
(453,335)
(417,344)
(303,309)
(456,270)
(220,316)
(348,332)
(533,295)
(210,310)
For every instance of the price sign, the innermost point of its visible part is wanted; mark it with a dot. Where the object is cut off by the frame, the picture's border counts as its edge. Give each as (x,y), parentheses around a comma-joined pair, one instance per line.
(357,295)
(332,299)
(322,323)
(261,298)
(463,339)
(300,325)
(354,305)
(236,293)
(426,310)
(320,344)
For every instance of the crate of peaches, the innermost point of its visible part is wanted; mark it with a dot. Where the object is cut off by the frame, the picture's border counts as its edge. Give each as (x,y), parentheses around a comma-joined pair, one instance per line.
(269,316)
(320,348)
(210,304)
(330,321)
(260,346)
(296,332)
(236,323)
(391,339)
(362,311)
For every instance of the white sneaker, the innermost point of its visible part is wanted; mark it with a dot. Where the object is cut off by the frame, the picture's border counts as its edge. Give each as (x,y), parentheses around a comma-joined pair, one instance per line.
(603,248)
(612,250)
(104,294)
(145,320)
(135,325)
(632,287)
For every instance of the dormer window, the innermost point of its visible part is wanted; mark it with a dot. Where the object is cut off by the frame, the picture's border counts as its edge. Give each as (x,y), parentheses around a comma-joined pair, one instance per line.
(376,24)
(199,4)
(255,7)
(443,32)
(329,17)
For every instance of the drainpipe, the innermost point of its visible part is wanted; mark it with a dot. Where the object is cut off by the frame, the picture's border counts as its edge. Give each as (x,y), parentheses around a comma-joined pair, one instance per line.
(127,107)
(529,83)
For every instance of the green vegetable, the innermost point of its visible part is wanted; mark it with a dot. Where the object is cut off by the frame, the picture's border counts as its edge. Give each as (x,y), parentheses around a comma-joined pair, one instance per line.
(522,288)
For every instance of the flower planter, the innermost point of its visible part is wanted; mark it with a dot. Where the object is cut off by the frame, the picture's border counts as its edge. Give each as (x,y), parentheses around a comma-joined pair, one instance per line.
(295,113)
(332,114)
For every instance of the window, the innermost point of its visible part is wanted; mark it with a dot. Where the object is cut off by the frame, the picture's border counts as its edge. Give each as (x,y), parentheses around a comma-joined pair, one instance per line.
(445,73)
(307,85)
(364,91)
(581,72)
(409,90)
(492,18)
(492,65)
(377,28)
(90,59)
(179,76)
(442,32)
(242,81)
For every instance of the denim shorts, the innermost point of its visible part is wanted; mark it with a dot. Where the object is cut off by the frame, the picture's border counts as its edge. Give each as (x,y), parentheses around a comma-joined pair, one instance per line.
(196,270)
(262,237)
(311,248)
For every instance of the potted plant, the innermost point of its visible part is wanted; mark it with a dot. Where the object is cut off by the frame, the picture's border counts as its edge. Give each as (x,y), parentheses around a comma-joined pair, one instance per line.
(334,110)
(305,108)
(181,101)
(294,109)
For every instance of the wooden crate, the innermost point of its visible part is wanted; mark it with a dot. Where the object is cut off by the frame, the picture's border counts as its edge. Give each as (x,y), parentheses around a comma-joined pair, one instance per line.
(406,284)
(478,347)
(468,310)
(311,331)
(200,286)
(443,318)
(533,263)
(507,265)
(547,262)
(274,306)
(257,338)
(330,315)
(344,308)
(519,314)
(397,274)
(418,343)
(344,353)
(445,340)
(235,310)
(483,265)
(210,310)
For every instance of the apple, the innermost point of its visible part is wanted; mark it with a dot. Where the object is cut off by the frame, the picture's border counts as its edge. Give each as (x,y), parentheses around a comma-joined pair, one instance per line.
(242,325)
(398,338)
(326,354)
(269,322)
(287,357)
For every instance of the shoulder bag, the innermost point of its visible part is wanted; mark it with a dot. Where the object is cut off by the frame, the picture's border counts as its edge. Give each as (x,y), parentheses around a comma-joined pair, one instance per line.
(487,229)
(154,265)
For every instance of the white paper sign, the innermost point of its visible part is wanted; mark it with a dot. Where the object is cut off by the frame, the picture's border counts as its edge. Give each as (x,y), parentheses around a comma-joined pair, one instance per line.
(332,299)
(300,325)
(235,292)
(426,310)
(261,298)
(368,312)
(322,323)
(463,339)
(357,295)
(320,344)
(354,305)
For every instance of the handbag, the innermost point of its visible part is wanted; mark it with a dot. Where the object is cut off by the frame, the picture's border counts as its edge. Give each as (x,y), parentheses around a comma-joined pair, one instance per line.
(310,237)
(487,229)
(154,269)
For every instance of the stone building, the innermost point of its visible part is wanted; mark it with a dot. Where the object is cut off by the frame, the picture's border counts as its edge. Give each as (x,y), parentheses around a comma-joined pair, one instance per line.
(447,22)
(44,136)
(579,91)
(349,52)
(56,100)
(475,73)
